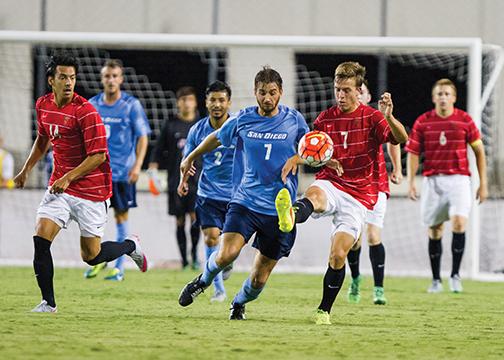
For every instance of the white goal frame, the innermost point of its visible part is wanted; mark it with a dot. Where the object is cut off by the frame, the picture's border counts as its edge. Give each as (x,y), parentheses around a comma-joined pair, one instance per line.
(472,46)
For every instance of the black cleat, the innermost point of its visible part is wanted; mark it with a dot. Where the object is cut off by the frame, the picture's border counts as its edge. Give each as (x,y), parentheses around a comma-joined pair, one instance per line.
(191,290)
(237,312)
(226,272)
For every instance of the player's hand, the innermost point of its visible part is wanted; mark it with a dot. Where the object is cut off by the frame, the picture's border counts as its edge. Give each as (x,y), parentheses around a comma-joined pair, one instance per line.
(183,187)
(335,165)
(385,105)
(482,193)
(133,175)
(396,177)
(412,192)
(60,185)
(20,179)
(187,168)
(290,167)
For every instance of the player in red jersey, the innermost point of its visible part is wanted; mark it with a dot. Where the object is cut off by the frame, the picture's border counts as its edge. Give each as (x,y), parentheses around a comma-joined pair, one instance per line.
(442,135)
(374,219)
(345,189)
(81,182)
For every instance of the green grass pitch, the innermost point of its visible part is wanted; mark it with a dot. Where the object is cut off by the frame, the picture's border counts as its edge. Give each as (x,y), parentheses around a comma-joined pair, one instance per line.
(141,319)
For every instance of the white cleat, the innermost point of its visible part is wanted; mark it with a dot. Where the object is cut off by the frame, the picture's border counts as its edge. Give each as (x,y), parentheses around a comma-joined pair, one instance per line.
(455,283)
(137,255)
(43,307)
(436,287)
(218,297)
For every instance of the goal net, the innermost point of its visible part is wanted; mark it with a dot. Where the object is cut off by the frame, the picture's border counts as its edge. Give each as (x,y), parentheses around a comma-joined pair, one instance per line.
(157,65)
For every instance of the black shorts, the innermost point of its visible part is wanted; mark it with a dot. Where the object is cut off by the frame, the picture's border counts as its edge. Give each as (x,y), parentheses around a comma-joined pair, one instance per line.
(179,206)
(123,196)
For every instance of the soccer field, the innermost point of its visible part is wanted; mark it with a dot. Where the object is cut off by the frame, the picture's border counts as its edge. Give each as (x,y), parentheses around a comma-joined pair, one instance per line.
(141,319)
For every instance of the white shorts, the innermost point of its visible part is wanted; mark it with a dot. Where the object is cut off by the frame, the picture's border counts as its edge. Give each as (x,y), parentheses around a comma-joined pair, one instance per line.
(63,208)
(348,214)
(444,196)
(377,215)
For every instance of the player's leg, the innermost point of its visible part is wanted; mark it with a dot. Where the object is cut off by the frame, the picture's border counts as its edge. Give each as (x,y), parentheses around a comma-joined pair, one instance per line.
(314,200)
(374,220)
(195,236)
(252,286)
(435,252)
(212,236)
(122,231)
(353,258)
(434,212)
(341,243)
(239,226)
(175,208)
(459,190)
(45,232)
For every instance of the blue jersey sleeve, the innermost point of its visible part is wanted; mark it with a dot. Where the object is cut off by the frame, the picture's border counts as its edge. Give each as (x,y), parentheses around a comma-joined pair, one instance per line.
(191,141)
(228,132)
(140,123)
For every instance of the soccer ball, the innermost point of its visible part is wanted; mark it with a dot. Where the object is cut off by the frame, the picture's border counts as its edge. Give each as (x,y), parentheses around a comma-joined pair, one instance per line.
(315,148)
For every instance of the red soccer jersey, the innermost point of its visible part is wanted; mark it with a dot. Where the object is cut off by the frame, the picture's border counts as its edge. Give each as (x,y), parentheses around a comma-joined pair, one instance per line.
(357,138)
(76,131)
(381,174)
(443,142)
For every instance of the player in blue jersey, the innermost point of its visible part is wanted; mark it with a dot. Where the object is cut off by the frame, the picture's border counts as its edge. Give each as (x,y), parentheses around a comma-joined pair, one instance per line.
(215,183)
(127,130)
(267,136)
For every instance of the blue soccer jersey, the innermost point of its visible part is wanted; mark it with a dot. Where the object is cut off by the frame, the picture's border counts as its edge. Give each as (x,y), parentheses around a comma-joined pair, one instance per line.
(266,144)
(125,121)
(216,176)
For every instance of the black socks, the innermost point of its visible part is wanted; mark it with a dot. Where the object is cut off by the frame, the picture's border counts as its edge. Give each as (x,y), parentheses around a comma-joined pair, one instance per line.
(195,236)
(303,208)
(435,251)
(181,241)
(111,250)
(44,268)
(458,246)
(333,280)
(353,262)
(377,257)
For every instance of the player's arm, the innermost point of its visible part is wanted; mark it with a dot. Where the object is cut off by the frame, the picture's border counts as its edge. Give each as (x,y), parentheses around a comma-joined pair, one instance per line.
(141,150)
(38,150)
(394,152)
(412,168)
(397,129)
(210,143)
(85,167)
(479,153)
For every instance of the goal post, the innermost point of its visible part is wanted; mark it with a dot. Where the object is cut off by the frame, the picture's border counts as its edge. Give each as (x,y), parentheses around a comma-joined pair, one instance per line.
(239,57)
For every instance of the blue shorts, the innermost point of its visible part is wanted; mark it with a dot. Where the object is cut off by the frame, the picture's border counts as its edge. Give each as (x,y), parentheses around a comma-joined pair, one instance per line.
(123,195)
(269,240)
(210,213)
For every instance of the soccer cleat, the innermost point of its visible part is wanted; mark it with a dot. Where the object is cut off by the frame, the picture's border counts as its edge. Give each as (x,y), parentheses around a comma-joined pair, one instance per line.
(379,296)
(115,275)
(137,255)
(436,287)
(218,296)
(94,270)
(191,291)
(237,312)
(353,294)
(226,272)
(455,283)
(286,216)
(322,317)
(43,307)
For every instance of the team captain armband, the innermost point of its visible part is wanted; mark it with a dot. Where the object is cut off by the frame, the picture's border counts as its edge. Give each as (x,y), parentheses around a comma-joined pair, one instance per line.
(476,143)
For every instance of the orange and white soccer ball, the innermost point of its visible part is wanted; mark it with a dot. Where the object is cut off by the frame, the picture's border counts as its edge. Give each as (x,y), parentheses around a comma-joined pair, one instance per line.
(316,148)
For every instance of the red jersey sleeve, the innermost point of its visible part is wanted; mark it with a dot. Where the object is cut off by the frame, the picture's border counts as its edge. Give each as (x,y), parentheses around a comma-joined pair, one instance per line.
(382,131)
(40,128)
(93,130)
(415,140)
(473,133)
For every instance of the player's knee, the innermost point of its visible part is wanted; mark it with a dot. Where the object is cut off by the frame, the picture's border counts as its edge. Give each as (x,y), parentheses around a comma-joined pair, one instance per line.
(337,258)
(374,239)
(211,241)
(318,198)
(458,224)
(436,232)
(227,255)
(258,282)
(89,255)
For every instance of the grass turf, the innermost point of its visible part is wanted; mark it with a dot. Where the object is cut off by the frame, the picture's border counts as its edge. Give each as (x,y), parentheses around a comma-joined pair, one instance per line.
(140,319)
